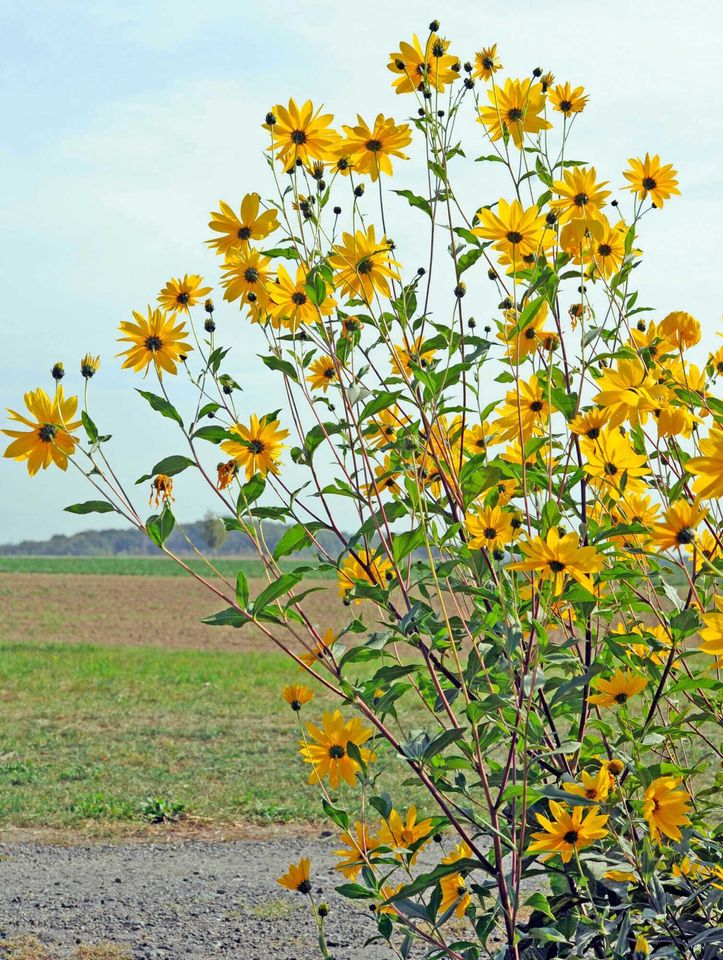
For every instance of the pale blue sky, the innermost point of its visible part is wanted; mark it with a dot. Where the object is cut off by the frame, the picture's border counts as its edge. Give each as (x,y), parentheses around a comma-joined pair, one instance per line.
(124,123)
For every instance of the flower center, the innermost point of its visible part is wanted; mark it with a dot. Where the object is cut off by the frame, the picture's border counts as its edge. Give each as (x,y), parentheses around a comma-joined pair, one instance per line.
(530,333)
(336,752)
(590,794)
(257,446)
(374,145)
(244,233)
(556,566)
(649,183)
(298,137)
(365,266)
(565,106)
(330,373)
(580,199)
(571,837)
(298,298)
(536,406)
(153,344)
(514,115)
(621,697)
(47,432)
(490,533)
(514,236)
(183,297)
(610,469)
(685,535)
(488,63)
(251,275)
(304,887)
(604,249)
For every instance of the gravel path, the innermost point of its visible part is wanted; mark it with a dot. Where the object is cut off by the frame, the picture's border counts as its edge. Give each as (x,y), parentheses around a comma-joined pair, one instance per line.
(178,901)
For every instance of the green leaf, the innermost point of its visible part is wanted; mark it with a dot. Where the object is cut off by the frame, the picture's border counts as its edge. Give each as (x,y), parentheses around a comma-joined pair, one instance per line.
(340,817)
(160,526)
(170,466)
(415,201)
(230,617)
(91,506)
(90,428)
(161,405)
(276,363)
(251,491)
(288,253)
(293,539)
(276,589)
(404,543)
(242,590)
(213,433)
(469,258)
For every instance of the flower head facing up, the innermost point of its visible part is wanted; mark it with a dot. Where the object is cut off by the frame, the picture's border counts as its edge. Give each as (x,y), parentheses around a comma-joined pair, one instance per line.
(259,445)
(405,357)
(613,465)
(557,557)
(680,329)
(47,434)
(566,833)
(417,68)
(182,294)
(401,833)
(89,366)
(513,230)
(593,787)
(290,305)
(157,339)
(161,490)
(516,109)
(369,149)
(323,373)
(567,99)
(296,877)
(650,178)
(357,847)
(363,265)
(490,528)
(678,528)
(616,691)
(296,695)
(322,649)
(247,277)
(580,196)
(236,231)
(665,805)
(301,134)
(365,567)
(327,750)
(486,63)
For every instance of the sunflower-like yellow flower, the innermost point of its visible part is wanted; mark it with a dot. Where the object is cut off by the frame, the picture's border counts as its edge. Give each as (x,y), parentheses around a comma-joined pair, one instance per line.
(355,853)
(627,393)
(516,109)
(322,649)
(49,436)
(364,265)
(370,149)
(403,356)
(581,197)
(566,833)
(386,477)
(296,695)
(416,68)
(593,787)
(641,950)
(678,526)
(182,294)
(567,99)
(618,689)
(323,373)
(524,415)
(403,833)
(490,529)
(89,366)
(259,445)
(161,490)
(238,230)
(513,230)
(157,339)
(681,329)
(297,877)
(712,634)
(649,177)
(650,337)
(364,566)
(289,304)
(226,473)
(486,63)
(384,426)
(476,439)
(613,465)
(247,277)
(453,885)
(328,749)
(665,806)
(522,343)
(642,648)
(301,134)
(558,557)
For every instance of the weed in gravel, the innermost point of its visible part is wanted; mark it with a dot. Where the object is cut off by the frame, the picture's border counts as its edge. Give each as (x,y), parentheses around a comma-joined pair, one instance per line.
(24,948)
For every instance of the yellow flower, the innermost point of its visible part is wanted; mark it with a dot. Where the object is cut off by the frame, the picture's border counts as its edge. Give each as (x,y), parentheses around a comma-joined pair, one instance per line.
(665,807)
(226,474)
(627,392)
(522,343)
(643,649)
(369,149)
(321,651)
(301,134)
(620,876)
(486,63)
(616,691)
(161,489)
(491,528)
(641,950)
(403,834)
(363,265)
(363,566)
(476,439)
(328,753)
(453,886)
(648,177)
(708,468)
(247,277)
(589,423)
(712,634)
(156,339)
(557,557)
(323,373)
(297,877)
(514,231)
(593,787)
(296,695)
(678,526)
(651,338)
(237,230)
(681,329)
(49,437)
(613,464)
(566,833)
(289,304)
(431,67)
(387,891)
(386,478)
(89,366)
(182,294)
(384,425)
(404,355)
(355,853)
(516,109)
(581,197)
(567,99)
(607,245)
(526,415)
(259,445)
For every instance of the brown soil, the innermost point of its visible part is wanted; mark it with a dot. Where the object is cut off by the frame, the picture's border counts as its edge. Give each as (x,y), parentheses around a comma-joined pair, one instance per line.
(137,611)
